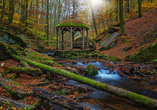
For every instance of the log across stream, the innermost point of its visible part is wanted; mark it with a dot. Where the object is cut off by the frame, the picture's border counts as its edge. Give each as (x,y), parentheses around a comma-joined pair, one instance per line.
(105,100)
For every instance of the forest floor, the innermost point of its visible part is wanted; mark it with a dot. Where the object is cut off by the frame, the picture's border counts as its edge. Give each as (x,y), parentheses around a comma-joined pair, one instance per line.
(137,29)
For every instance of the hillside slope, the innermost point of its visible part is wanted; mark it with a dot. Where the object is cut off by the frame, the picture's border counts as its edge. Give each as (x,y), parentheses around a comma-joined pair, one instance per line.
(140,33)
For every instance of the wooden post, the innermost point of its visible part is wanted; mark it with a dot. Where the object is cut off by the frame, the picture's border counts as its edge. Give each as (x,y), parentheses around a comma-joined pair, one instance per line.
(71,38)
(57,39)
(88,39)
(60,37)
(62,41)
(83,38)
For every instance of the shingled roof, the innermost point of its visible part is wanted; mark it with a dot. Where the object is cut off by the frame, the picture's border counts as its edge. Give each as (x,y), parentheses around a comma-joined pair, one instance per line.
(73,23)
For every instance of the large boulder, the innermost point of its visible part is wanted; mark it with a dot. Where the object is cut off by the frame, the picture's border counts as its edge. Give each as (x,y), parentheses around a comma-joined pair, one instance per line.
(91,70)
(90,43)
(110,39)
(10,38)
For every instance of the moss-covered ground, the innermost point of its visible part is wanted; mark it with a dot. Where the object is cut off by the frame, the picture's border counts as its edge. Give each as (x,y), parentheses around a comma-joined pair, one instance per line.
(148,54)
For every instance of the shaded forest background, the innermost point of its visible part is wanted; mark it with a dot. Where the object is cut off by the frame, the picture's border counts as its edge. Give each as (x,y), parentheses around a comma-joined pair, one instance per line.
(40,17)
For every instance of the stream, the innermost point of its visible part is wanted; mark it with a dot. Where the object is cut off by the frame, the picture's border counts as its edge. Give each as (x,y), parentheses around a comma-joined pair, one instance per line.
(100,100)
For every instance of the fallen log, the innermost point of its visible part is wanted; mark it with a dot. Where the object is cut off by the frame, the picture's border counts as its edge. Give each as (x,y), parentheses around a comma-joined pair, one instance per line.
(21,70)
(17,104)
(98,85)
(47,83)
(58,99)
(23,64)
(8,85)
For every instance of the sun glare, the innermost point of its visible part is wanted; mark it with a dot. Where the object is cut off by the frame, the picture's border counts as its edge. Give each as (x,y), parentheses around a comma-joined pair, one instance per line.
(96,2)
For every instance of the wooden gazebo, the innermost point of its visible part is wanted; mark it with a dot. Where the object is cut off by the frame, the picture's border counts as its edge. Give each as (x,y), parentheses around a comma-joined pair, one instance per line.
(72,26)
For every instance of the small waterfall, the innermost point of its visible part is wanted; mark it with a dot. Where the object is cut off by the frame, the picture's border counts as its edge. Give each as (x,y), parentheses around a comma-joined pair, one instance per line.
(106,74)
(102,73)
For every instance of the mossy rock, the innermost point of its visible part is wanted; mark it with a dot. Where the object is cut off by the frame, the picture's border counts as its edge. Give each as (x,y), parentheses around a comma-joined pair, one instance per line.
(90,43)
(91,70)
(110,45)
(10,38)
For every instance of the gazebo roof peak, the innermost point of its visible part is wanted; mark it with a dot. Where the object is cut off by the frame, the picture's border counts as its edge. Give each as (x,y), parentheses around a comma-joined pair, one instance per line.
(72,23)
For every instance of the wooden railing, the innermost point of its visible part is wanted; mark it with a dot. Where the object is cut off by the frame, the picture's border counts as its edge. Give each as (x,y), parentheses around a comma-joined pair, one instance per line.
(67,44)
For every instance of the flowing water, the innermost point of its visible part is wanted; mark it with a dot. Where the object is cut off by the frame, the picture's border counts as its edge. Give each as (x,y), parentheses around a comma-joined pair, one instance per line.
(105,101)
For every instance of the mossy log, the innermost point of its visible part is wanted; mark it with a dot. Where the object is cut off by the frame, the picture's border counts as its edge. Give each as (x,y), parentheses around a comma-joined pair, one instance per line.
(98,85)
(58,99)
(16,104)
(47,83)
(21,70)
(8,84)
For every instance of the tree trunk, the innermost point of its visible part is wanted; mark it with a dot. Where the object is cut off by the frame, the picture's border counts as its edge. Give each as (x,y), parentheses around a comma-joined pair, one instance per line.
(127,6)
(57,99)
(3,10)
(121,18)
(139,8)
(26,16)
(73,8)
(47,19)
(98,85)
(11,11)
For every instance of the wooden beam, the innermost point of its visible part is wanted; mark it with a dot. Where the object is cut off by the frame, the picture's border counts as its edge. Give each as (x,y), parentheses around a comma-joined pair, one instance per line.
(62,41)
(71,38)
(83,38)
(74,29)
(59,37)
(88,39)
(68,29)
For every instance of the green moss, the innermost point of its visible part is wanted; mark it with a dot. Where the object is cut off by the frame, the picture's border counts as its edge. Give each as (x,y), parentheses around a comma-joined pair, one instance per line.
(113,58)
(26,108)
(72,23)
(11,77)
(16,38)
(91,70)
(41,58)
(1,27)
(17,84)
(145,55)
(1,103)
(136,97)
(60,92)
(0,74)
(35,104)
(7,103)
